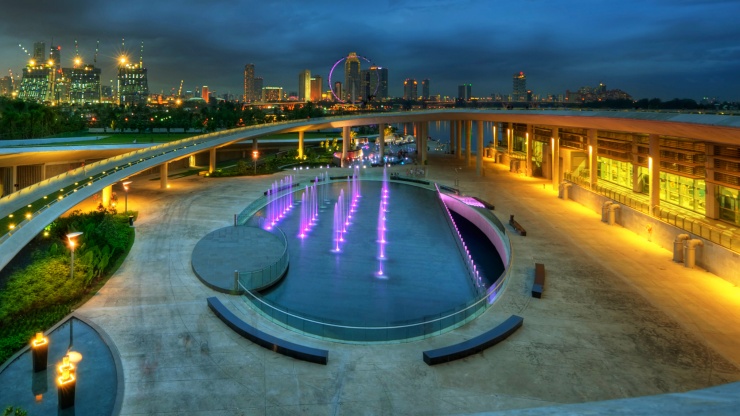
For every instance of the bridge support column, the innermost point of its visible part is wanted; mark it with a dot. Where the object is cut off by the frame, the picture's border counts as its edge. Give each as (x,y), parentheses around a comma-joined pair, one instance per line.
(654,171)
(451,148)
(381,141)
(212,160)
(163,172)
(468,141)
(300,144)
(593,153)
(529,139)
(458,145)
(555,158)
(710,202)
(14,179)
(191,161)
(509,136)
(105,196)
(479,150)
(425,142)
(345,146)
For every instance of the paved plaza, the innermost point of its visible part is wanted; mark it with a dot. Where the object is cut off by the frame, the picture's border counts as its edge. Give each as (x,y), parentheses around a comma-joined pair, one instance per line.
(618,319)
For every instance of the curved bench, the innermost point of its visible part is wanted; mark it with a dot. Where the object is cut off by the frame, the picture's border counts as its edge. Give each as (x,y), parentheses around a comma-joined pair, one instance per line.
(272,343)
(474,345)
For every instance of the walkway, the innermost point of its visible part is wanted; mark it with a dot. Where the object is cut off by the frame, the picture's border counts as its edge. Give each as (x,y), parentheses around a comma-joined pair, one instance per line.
(617,319)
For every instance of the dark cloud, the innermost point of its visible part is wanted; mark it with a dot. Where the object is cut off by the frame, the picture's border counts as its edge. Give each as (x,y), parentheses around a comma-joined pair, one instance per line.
(649,48)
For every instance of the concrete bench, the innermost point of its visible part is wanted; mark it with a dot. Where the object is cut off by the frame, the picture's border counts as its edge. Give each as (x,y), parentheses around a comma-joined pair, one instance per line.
(474,345)
(517,227)
(272,343)
(539,280)
(485,203)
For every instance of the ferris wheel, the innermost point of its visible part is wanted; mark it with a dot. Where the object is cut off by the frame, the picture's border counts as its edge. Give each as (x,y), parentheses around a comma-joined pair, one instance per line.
(331,74)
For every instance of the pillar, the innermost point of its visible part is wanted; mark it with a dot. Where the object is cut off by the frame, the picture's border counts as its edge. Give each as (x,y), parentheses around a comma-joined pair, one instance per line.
(529,137)
(509,136)
(654,169)
(468,141)
(479,150)
(381,138)
(710,202)
(163,172)
(593,154)
(345,146)
(452,137)
(424,132)
(14,178)
(555,158)
(635,167)
(255,144)
(458,146)
(212,160)
(300,145)
(105,195)
(191,161)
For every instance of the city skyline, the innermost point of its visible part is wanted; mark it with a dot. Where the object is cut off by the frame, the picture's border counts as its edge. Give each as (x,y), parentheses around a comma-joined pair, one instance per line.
(650,49)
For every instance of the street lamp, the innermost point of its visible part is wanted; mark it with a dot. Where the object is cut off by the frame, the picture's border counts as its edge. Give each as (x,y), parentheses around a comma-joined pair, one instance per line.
(71,238)
(125,188)
(255,155)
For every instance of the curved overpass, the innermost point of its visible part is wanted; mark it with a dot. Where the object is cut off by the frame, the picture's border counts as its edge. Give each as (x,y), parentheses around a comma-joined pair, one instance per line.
(82,183)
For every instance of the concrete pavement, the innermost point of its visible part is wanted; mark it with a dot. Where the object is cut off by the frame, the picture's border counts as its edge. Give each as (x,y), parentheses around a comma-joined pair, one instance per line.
(618,319)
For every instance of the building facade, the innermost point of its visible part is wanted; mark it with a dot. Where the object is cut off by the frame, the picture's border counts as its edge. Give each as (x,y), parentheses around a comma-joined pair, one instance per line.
(425,89)
(352,80)
(316,88)
(38,82)
(465,92)
(304,85)
(133,85)
(272,94)
(519,87)
(410,89)
(249,87)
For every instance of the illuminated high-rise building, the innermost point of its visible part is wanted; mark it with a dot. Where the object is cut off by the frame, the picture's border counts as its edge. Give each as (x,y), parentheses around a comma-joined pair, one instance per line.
(133,85)
(425,89)
(520,87)
(84,85)
(304,85)
(6,86)
(410,89)
(374,83)
(338,88)
(257,89)
(39,52)
(38,81)
(316,88)
(249,90)
(464,92)
(55,55)
(204,94)
(352,81)
(272,94)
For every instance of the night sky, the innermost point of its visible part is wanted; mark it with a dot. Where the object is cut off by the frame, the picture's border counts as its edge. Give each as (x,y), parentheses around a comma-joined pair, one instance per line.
(648,48)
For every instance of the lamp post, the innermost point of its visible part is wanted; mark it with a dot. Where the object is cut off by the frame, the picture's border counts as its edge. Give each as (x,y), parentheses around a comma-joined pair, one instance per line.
(255,155)
(125,188)
(71,238)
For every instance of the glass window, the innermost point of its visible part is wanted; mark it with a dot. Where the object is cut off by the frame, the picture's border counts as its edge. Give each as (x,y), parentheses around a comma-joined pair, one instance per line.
(615,171)
(684,192)
(728,200)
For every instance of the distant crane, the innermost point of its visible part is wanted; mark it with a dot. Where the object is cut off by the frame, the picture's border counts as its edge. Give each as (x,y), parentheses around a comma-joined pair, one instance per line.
(179,91)
(24,50)
(95,58)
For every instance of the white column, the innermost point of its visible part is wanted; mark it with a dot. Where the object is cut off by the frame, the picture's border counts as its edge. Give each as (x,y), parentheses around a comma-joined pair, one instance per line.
(529,138)
(710,202)
(479,150)
(593,153)
(452,136)
(458,146)
(468,141)
(381,138)
(212,160)
(105,195)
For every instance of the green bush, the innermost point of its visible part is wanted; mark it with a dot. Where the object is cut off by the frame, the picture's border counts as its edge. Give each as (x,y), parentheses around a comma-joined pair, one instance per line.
(40,292)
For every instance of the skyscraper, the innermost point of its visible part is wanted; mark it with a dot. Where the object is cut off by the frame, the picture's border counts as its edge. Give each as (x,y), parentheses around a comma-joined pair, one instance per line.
(133,86)
(272,94)
(257,89)
(249,90)
(425,89)
(410,89)
(520,87)
(38,81)
(55,55)
(374,83)
(316,88)
(304,85)
(352,81)
(464,92)
(338,88)
(39,52)
(204,93)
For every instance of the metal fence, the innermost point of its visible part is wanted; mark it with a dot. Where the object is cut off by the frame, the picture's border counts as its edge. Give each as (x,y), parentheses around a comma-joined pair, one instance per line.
(266,276)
